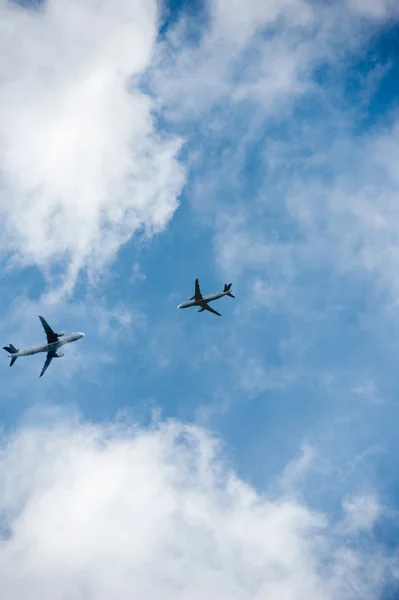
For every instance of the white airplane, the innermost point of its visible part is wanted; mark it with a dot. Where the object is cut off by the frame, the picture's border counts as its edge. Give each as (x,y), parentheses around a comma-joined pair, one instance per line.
(202,301)
(53,344)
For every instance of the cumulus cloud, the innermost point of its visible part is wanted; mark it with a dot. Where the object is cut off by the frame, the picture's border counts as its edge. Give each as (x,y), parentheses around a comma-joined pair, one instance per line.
(114,511)
(83,165)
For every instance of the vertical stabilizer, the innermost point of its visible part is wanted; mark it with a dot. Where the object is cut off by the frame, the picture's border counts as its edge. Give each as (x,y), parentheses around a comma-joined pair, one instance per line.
(227,288)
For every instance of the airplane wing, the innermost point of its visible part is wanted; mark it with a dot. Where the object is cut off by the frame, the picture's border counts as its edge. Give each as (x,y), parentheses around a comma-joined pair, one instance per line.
(212,310)
(50,356)
(51,336)
(197,294)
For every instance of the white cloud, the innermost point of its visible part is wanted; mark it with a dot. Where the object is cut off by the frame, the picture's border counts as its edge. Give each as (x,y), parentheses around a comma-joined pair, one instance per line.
(362,512)
(376,9)
(256,54)
(245,51)
(352,221)
(369,391)
(237,21)
(83,166)
(333,208)
(265,294)
(107,512)
(313,178)
(255,376)
(297,468)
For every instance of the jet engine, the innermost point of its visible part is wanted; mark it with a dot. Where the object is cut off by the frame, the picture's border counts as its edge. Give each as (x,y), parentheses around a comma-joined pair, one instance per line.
(61,333)
(200,309)
(192,298)
(60,354)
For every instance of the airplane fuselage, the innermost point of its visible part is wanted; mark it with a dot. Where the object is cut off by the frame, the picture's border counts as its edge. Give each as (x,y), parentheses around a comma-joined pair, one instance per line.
(204,300)
(65,339)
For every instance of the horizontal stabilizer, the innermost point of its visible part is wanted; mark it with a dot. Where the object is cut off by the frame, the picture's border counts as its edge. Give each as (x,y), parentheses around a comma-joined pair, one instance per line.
(10,349)
(231,295)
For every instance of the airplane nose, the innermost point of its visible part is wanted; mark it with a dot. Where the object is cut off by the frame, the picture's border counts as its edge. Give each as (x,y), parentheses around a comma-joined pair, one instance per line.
(82,335)
(179,305)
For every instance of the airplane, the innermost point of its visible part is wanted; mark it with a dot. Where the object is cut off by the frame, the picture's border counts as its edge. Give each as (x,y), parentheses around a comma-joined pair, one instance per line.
(202,301)
(53,344)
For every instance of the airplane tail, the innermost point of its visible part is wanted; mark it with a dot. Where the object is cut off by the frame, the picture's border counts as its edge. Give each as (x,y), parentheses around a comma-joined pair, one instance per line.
(11,350)
(227,287)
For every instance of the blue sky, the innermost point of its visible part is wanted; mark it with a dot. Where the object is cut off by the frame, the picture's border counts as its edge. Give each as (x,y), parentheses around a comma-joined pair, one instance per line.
(256,144)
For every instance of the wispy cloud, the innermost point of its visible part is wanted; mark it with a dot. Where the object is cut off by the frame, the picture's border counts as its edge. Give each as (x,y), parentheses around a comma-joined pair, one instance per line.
(279,172)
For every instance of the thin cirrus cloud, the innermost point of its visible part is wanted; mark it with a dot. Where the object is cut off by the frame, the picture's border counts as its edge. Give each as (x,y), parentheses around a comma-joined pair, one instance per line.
(227,64)
(110,511)
(282,140)
(82,165)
